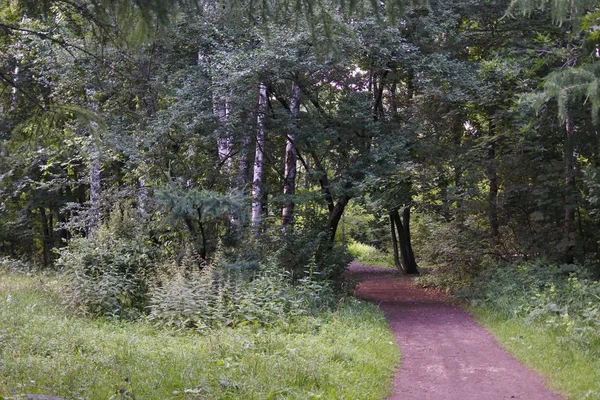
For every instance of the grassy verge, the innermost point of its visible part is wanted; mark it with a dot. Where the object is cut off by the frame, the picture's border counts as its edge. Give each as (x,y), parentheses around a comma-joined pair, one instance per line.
(346,354)
(572,371)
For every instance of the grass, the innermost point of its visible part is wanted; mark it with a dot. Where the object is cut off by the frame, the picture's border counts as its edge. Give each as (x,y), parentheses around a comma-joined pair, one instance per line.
(44,349)
(572,370)
(369,255)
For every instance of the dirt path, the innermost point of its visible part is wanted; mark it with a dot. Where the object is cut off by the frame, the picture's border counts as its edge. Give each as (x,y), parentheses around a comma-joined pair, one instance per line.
(445,354)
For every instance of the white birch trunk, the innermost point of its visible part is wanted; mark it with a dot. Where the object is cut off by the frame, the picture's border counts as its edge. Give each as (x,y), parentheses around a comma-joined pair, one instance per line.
(257,179)
(142,197)
(244,165)
(95,188)
(94,174)
(289,177)
(224,139)
(14,101)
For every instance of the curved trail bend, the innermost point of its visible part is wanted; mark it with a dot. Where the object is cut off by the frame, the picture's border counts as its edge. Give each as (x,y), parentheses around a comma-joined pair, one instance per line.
(445,354)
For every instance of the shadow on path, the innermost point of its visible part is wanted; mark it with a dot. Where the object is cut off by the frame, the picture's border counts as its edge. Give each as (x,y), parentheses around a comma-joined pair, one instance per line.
(445,354)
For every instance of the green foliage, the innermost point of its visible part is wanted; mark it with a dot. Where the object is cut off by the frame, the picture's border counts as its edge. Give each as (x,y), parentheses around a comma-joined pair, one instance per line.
(560,297)
(448,281)
(8,264)
(47,351)
(562,10)
(309,253)
(226,295)
(572,85)
(572,371)
(369,255)
(110,272)
(454,247)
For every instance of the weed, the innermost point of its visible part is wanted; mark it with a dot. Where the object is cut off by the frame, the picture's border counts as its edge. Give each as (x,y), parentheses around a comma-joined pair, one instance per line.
(340,354)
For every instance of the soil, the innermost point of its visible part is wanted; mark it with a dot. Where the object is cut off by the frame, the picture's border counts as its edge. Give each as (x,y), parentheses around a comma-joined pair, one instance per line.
(445,354)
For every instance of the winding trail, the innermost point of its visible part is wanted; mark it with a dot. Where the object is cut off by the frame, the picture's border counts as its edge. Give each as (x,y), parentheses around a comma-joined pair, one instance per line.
(445,354)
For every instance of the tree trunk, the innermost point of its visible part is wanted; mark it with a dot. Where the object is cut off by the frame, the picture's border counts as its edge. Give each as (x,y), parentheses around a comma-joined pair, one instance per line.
(244,164)
(95,166)
(569,188)
(257,180)
(394,99)
(142,197)
(493,180)
(444,192)
(406,253)
(14,98)
(336,215)
(46,237)
(62,217)
(397,263)
(94,196)
(411,255)
(224,139)
(289,178)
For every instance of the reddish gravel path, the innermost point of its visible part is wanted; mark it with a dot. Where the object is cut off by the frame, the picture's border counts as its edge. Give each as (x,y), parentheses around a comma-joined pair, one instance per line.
(445,354)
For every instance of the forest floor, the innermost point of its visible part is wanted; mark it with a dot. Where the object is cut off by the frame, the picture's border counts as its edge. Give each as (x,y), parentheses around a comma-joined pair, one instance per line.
(446,355)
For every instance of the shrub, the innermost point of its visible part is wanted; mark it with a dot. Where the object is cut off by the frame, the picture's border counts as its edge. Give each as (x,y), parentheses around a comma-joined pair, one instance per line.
(455,247)
(448,281)
(217,295)
(16,265)
(559,296)
(110,271)
(309,253)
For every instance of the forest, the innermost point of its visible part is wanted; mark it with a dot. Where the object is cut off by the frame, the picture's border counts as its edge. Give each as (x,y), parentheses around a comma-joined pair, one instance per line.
(198,167)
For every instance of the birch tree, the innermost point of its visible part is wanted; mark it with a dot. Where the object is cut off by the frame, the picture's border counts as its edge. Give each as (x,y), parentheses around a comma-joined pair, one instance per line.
(289,178)
(257,178)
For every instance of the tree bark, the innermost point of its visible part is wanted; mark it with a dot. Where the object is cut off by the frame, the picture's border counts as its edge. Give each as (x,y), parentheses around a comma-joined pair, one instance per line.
(224,139)
(569,188)
(46,237)
(493,180)
(444,192)
(95,166)
(142,197)
(95,187)
(257,180)
(397,263)
(289,178)
(407,236)
(336,215)
(244,165)
(14,100)
(406,253)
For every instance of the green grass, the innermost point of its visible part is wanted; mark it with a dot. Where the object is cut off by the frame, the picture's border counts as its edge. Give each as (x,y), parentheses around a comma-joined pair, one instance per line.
(369,255)
(572,370)
(44,349)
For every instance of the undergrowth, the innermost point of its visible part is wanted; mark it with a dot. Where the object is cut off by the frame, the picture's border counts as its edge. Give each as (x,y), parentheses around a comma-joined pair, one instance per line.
(214,296)
(345,353)
(549,317)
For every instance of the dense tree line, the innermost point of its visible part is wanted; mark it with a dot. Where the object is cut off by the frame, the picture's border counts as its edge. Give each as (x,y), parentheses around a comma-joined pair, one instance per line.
(222,129)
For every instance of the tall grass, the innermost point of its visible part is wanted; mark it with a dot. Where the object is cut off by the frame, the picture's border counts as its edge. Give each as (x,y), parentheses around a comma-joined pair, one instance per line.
(348,353)
(548,316)
(571,370)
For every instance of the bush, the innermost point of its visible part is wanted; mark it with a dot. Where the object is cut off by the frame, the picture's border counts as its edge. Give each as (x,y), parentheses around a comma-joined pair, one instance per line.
(448,281)
(309,253)
(559,296)
(217,296)
(455,247)
(16,265)
(110,272)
